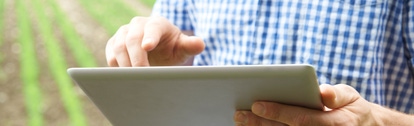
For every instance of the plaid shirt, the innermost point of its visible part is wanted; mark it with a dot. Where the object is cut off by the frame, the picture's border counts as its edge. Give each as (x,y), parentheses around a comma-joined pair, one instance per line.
(368,44)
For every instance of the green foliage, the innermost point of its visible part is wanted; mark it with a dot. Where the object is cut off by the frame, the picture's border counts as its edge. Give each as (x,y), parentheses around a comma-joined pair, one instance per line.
(57,66)
(83,56)
(111,14)
(29,67)
(149,3)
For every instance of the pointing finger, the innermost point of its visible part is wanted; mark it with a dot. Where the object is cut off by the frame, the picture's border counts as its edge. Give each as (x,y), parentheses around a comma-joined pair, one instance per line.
(137,55)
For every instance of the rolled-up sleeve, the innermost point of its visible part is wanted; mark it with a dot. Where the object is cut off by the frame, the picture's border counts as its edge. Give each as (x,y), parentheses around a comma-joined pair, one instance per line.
(176,11)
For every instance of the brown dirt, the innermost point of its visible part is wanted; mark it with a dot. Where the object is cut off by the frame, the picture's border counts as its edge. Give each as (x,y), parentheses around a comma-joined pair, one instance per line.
(11,96)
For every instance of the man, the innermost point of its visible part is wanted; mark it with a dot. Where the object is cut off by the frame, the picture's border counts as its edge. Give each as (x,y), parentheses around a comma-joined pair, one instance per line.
(367,45)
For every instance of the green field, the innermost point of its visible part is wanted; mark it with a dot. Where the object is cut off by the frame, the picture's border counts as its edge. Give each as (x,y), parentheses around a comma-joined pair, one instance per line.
(148,2)
(41,39)
(28,64)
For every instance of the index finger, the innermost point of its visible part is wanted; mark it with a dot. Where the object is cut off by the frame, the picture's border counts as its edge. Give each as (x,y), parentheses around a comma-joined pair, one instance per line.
(137,55)
(153,30)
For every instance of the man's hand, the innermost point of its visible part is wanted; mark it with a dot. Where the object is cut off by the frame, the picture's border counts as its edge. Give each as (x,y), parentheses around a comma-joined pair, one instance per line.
(151,41)
(344,107)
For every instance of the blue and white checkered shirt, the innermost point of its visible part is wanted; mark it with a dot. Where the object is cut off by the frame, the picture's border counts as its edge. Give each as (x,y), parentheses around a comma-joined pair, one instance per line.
(368,44)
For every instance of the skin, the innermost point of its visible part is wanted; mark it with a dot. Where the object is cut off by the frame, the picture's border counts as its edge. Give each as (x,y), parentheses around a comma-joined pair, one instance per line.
(153,41)
(344,107)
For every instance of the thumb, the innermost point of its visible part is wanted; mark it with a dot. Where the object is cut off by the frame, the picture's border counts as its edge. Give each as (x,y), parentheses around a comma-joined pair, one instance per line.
(190,45)
(338,96)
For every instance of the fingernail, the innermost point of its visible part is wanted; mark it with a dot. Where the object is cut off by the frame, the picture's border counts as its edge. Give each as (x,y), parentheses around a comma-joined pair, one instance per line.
(240,117)
(258,108)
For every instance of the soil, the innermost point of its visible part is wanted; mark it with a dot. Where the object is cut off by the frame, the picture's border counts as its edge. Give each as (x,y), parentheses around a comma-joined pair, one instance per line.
(11,96)
(12,105)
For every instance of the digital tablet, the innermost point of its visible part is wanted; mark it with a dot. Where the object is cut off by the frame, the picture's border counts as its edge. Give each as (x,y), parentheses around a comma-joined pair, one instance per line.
(193,95)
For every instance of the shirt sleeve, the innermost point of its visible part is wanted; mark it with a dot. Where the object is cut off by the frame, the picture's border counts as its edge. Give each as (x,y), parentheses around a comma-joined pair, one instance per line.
(176,11)
(408,31)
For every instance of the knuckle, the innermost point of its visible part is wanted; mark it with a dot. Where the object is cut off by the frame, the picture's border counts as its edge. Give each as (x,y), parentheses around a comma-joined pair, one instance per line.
(138,19)
(109,45)
(159,22)
(155,22)
(159,18)
(124,28)
(132,39)
(252,120)
(119,47)
(348,88)
(110,41)
(237,116)
(273,114)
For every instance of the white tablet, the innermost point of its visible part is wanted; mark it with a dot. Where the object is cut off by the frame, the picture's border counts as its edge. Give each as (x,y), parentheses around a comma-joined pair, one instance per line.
(193,95)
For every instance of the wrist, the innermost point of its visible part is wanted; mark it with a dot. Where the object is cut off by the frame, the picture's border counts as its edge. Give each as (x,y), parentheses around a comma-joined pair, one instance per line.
(389,117)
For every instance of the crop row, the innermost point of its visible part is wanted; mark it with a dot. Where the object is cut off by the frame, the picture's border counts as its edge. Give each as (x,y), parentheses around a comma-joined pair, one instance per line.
(57,65)
(56,61)
(82,55)
(111,14)
(29,71)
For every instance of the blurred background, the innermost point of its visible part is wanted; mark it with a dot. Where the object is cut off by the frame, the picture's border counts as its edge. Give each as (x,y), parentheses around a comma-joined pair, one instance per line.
(39,40)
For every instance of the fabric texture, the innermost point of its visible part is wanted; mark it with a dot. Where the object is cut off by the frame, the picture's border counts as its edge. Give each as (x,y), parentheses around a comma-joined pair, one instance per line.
(368,44)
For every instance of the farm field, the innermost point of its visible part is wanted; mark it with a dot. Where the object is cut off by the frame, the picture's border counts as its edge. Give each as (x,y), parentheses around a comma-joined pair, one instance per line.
(39,40)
